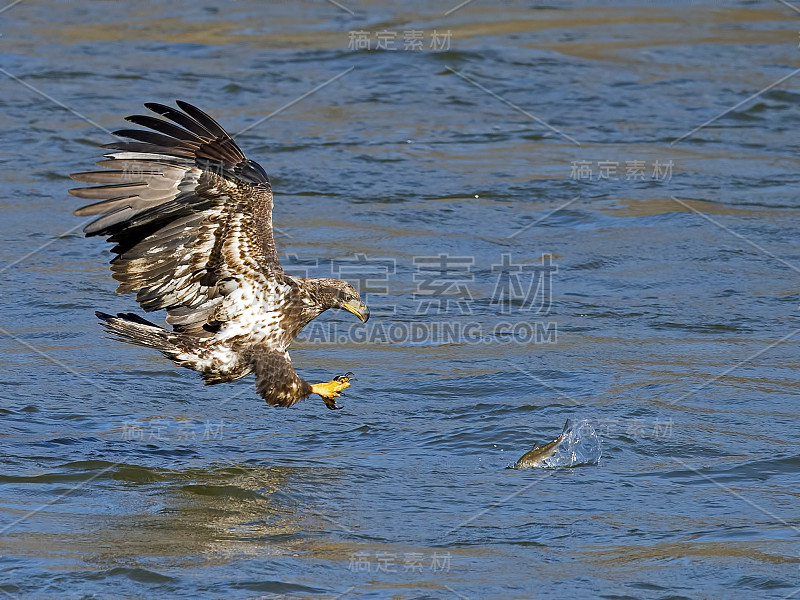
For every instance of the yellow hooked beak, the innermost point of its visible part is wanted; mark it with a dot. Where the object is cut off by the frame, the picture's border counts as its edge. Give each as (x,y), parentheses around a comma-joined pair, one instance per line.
(358,308)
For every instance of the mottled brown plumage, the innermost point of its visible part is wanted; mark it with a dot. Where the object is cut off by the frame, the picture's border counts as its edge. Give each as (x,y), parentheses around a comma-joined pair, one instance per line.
(191,221)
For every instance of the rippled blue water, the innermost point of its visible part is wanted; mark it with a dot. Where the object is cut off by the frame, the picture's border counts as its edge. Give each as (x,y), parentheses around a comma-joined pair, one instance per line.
(672,325)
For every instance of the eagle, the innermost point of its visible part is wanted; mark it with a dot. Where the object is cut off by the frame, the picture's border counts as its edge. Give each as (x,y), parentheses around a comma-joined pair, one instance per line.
(190,218)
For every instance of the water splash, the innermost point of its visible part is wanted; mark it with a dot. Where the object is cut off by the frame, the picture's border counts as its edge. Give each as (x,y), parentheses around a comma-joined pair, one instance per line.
(580,445)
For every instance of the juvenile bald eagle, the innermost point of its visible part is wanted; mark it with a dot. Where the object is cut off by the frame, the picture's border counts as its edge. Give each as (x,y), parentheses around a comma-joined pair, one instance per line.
(191,220)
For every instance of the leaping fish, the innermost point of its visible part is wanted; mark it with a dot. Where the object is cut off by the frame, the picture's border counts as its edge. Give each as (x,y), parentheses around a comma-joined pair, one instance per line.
(538,454)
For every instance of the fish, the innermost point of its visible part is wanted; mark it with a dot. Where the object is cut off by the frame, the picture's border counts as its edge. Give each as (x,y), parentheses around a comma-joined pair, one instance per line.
(538,454)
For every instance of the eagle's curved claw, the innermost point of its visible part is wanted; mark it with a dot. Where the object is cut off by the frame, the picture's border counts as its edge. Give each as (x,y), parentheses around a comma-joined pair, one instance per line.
(333,389)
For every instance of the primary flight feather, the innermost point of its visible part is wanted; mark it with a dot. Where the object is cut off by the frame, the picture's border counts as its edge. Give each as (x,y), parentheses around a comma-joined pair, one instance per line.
(191,220)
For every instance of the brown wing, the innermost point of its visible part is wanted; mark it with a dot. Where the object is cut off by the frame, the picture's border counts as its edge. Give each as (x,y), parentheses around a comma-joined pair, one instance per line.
(188,213)
(276,380)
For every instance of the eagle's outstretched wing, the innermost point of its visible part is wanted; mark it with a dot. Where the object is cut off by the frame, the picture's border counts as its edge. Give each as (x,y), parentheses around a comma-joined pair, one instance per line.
(189,214)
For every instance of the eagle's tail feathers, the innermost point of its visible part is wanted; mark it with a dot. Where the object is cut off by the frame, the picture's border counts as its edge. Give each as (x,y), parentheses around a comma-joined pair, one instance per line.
(133,329)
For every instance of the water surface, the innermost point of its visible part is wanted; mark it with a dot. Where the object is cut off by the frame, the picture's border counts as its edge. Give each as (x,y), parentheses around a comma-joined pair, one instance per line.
(537,129)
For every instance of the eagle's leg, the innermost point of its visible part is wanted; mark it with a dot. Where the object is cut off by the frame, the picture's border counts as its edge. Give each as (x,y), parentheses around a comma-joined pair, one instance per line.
(331,390)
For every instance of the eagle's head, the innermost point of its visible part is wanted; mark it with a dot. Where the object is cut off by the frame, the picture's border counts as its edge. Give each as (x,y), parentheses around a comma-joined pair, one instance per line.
(335,293)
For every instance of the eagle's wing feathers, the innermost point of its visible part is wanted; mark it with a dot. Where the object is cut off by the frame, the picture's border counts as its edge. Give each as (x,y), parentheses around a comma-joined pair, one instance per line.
(188,213)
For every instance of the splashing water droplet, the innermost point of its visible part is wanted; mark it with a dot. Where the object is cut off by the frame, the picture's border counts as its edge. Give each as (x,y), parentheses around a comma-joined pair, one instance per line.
(581,446)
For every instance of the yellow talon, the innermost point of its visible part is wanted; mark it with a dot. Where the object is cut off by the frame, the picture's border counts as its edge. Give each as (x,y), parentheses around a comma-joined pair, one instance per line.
(330,390)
